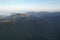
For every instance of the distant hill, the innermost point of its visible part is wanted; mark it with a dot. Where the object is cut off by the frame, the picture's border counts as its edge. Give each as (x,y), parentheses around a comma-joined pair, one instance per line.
(33,15)
(13,17)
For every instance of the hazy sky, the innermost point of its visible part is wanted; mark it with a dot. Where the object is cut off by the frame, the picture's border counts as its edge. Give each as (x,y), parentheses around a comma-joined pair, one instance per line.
(32,5)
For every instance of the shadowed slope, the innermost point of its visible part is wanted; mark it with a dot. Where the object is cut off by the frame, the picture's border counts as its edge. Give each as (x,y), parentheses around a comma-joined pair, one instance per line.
(44,27)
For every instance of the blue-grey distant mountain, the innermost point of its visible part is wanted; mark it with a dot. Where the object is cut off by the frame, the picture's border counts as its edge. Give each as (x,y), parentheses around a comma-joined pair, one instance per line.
(19,16)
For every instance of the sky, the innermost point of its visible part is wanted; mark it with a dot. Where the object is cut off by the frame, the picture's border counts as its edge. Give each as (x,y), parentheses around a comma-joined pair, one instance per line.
(30,5)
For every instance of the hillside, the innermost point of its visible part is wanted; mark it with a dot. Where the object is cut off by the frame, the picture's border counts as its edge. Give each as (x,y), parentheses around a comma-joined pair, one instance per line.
(40,26)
